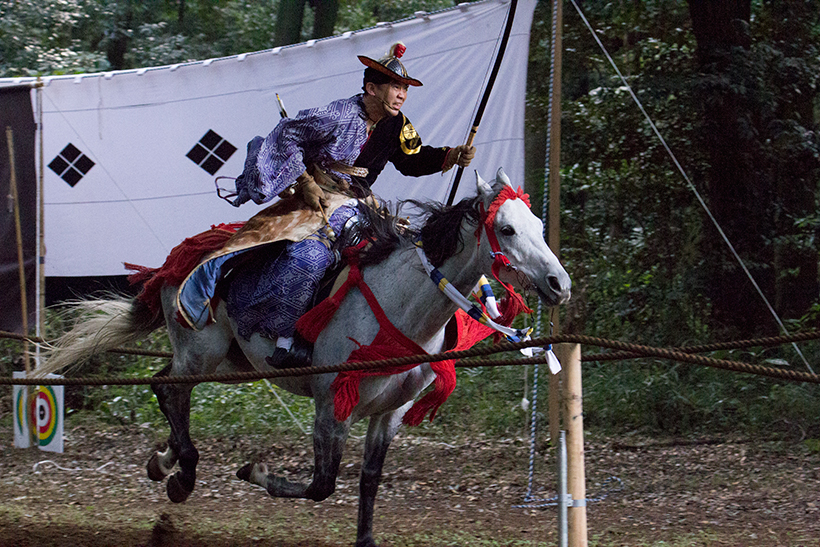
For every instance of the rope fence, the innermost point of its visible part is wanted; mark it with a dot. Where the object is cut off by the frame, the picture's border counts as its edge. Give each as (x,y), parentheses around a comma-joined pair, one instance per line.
(622,350)
(718,346)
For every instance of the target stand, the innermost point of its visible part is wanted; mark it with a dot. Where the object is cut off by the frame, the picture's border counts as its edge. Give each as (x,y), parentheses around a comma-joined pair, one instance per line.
(45,412)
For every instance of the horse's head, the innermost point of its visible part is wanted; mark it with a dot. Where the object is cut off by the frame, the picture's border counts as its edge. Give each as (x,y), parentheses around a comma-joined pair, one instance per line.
(514,241)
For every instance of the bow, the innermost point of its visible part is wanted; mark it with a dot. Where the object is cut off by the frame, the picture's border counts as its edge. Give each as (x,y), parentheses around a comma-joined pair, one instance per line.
(486,96)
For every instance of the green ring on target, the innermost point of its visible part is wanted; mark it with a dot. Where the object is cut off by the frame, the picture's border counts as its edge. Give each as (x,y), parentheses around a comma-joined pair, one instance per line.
(21,411)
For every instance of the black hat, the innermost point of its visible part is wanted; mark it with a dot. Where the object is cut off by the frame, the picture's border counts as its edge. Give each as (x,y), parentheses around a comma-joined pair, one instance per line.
(391,66)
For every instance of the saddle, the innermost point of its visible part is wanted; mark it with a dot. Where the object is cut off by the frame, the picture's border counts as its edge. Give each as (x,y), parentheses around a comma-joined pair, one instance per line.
(285,220)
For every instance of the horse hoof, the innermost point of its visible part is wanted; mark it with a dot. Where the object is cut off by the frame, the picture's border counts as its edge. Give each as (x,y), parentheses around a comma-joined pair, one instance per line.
(244,472)
(155,472)
(177,492)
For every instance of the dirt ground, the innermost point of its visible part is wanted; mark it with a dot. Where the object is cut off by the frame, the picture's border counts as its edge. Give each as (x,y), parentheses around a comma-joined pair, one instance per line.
(463,492)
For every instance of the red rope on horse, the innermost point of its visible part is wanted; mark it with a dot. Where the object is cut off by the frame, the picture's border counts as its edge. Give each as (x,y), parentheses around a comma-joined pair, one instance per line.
(515,302)
(312,323)
(390,342)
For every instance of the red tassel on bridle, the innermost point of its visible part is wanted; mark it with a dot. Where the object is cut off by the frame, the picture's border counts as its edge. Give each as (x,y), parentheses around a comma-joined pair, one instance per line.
(500,260)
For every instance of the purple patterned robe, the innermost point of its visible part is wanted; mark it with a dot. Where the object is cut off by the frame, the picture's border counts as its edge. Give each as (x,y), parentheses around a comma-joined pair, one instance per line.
(270,299)
(325,135)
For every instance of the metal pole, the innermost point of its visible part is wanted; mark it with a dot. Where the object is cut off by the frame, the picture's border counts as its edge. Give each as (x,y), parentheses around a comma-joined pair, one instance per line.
(564,499)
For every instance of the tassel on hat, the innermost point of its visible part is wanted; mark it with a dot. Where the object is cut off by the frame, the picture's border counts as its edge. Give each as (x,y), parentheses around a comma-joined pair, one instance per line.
(397,50)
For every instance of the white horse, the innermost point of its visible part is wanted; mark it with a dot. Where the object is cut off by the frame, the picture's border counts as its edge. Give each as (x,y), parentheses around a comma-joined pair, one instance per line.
(411,301)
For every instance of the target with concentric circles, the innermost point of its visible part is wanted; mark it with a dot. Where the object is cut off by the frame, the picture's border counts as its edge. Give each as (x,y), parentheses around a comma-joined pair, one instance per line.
(20,415)
(46,414)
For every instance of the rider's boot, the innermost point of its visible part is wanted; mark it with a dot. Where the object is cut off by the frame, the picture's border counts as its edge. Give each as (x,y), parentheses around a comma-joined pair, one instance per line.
(291,353)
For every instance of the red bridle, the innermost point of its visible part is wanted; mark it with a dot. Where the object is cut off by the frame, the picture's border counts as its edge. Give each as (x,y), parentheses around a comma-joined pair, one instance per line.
(487,222)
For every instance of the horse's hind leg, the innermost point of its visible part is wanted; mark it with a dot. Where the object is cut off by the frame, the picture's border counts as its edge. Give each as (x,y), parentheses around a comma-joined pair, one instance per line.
(175,402)
(380,433)
(162,463)
(195,352)
(329,437)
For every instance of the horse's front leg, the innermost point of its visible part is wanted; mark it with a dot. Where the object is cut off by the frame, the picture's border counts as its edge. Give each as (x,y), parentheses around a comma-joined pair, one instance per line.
(329,437)
(380,433)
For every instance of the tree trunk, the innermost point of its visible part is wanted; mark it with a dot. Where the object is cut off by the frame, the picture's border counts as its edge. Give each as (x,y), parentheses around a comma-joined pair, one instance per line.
(718,26)
(762,180)
(796,173)
(289,22)
(737,193)
(324,19)
(118,43)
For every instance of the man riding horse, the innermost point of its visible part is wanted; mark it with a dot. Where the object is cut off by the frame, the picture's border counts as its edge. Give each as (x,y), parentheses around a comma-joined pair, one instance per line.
(342,146)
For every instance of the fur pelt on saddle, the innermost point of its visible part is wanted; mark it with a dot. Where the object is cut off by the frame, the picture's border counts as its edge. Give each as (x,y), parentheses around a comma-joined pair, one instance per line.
(196,264)
(180,262)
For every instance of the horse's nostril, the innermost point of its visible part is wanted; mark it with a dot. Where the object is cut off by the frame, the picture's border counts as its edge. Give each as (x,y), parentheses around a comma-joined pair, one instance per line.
(554,283)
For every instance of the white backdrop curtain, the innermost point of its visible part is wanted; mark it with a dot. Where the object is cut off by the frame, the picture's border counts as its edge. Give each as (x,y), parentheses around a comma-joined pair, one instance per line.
(123,185)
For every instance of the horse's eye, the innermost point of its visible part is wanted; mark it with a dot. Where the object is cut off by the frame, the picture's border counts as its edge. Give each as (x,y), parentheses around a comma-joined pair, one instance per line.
(507,231)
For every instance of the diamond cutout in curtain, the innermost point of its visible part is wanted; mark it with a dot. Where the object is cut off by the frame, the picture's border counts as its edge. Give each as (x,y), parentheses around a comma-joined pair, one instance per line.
(71,165)
(211,152)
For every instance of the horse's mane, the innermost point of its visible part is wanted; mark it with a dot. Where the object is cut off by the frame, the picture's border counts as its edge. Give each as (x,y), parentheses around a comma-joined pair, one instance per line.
(381,227)
(440,235)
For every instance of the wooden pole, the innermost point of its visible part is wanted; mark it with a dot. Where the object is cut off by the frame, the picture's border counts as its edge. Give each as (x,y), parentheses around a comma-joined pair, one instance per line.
(554,183)
(21,266)
(41,237)
(570,357)
(15,201)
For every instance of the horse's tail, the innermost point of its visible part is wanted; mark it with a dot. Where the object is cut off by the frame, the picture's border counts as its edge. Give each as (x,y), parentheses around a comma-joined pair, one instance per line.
(99,326)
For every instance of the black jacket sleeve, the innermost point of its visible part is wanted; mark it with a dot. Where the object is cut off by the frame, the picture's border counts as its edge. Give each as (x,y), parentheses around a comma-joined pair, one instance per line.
(395,140)
(411,157)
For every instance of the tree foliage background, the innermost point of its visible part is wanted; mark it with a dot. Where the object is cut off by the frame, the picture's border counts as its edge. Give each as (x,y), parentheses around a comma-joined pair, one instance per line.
(732,86)
(738,105)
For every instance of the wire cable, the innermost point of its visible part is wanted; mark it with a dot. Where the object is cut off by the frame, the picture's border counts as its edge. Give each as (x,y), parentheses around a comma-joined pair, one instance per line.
(690,184)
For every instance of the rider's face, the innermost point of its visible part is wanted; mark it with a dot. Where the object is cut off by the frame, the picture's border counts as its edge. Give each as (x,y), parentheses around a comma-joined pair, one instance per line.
(392,94)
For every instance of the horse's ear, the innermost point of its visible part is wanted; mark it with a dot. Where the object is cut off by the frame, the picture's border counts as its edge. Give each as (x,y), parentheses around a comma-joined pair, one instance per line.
(502,176)
(484,189)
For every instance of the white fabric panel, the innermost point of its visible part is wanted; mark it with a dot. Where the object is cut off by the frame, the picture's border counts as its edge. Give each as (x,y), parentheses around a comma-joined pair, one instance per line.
(143,195)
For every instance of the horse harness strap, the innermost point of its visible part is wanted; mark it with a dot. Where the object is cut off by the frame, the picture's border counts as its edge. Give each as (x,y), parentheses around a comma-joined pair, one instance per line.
(355,278)
(513,335)
(389,342)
